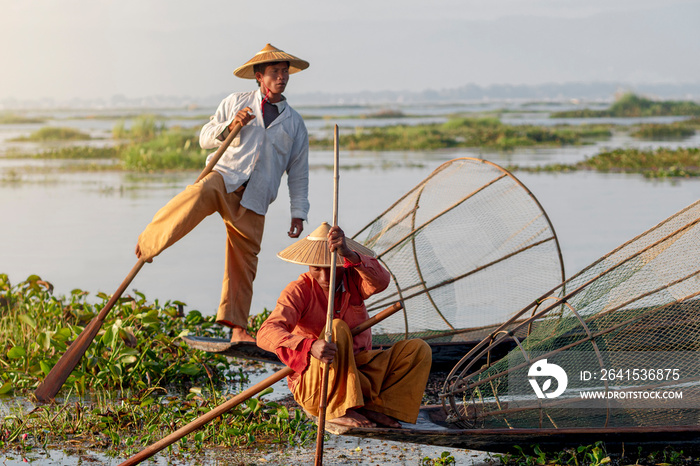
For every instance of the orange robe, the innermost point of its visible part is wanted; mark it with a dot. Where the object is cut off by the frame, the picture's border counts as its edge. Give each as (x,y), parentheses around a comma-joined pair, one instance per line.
(388,381)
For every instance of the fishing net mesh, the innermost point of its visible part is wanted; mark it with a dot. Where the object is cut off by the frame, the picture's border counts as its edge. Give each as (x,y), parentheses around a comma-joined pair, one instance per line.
(466,248)
(627,327)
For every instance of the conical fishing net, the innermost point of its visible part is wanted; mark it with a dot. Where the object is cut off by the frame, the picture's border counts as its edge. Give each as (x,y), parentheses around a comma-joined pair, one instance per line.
(466,247)
(617,345)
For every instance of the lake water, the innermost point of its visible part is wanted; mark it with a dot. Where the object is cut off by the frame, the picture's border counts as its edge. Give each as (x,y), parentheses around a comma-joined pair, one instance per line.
(78,230)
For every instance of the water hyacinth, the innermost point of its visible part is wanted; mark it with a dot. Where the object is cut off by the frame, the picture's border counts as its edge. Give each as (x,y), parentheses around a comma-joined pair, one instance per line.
(136,383)
(138,346)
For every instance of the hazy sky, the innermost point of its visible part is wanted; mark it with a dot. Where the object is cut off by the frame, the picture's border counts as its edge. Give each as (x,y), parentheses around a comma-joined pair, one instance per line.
(96,48)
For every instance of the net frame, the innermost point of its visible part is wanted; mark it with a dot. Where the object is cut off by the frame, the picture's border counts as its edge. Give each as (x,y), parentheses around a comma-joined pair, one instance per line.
(470,394)
(400,228)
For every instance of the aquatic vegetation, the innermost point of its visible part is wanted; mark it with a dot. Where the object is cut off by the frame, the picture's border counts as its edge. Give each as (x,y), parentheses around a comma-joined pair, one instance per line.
(175,149)
(677,130)
(445,459)
(140,381)
(595,454)
(124,427)
(71,152)
(659,163)
(386,113)
(632,105)
(15,119)
(465,132)
(590,455)
(138,349)
(54,133)
(138,346)
(143,128)
(133,114)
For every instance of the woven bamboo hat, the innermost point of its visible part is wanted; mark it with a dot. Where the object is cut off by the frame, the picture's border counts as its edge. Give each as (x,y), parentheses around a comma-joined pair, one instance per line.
(313,250)
(270,54)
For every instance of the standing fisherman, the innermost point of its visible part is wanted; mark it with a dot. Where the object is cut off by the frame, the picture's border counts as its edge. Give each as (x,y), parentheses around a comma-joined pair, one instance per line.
(244,182)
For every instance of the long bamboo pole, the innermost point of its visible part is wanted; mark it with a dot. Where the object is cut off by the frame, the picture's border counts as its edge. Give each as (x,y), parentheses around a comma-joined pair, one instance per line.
(323,404)
(55,379)
(241,397)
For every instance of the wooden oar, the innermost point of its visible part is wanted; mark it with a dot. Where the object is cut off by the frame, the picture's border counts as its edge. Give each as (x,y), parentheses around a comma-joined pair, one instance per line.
(65,365)
(241,397)
(323,404)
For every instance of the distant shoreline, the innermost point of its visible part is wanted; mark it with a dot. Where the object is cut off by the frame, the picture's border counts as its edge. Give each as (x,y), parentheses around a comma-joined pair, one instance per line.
(594,91)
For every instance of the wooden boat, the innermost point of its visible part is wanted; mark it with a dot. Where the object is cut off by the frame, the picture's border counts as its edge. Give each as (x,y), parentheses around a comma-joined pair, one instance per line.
(641,300)
(445,353)
(240,349)
(432,429)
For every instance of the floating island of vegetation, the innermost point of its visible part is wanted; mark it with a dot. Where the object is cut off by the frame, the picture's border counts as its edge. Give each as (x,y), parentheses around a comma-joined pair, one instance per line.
(7,118)
(657,163)
(465,132)
(676,130)
(54,133)
(632,106)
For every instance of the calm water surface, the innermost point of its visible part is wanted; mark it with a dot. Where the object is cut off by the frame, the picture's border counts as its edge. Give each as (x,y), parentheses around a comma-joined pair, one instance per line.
(78,230)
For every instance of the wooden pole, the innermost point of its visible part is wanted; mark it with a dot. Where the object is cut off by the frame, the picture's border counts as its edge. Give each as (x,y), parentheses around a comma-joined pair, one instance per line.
(240,398)
(219,152)
(329,316)
(65,365)
(59,373)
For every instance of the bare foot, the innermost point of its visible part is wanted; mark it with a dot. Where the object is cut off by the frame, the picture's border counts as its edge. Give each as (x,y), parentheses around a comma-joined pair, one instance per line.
(352,419)
(239,334)
(380,418)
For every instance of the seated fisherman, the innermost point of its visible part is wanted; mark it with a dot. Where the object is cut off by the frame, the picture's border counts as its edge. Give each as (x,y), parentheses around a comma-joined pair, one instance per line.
(365,387)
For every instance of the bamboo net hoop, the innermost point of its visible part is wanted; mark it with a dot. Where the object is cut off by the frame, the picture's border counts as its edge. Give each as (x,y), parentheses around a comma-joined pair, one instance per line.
(633,311)
(465,248)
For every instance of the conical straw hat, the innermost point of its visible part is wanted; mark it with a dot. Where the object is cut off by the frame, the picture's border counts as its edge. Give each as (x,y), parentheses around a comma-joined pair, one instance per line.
(270,54)
(313,250)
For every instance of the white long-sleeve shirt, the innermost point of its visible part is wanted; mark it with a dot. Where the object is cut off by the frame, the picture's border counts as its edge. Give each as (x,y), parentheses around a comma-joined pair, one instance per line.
(261,155)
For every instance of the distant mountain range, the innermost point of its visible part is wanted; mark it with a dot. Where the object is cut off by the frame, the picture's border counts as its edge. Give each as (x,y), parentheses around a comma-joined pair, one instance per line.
(599,91)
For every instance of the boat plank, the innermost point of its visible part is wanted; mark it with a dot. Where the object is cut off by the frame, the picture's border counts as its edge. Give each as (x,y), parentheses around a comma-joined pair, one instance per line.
(239,349)
(429,432)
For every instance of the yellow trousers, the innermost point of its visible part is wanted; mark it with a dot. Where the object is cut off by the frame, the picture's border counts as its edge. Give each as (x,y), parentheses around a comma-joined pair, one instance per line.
(389,381)
(244,230)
